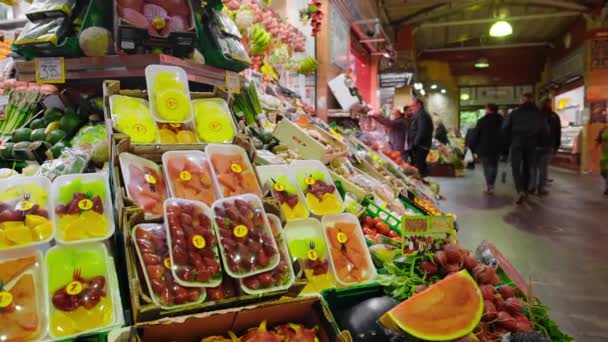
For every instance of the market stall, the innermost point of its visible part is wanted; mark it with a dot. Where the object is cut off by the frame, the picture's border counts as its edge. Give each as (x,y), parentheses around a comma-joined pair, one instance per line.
(197,204)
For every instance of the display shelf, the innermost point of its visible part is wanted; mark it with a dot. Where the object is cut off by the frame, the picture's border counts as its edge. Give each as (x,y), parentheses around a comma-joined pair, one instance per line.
(126,66)
(12,24)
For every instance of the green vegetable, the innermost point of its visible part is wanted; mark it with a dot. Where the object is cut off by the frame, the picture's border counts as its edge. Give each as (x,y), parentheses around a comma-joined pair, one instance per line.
(22,145)
(69,122)
(55,136)
(22,134)
(22,106)
(57,149)
(403,276)
(539,316)
(37,123)
(38,135)
(6,150)
(52,114)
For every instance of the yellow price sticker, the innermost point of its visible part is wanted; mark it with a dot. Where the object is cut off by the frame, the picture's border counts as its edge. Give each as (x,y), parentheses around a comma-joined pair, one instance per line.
(215,126)
(279,187)
(309,180)
(85,204)
(185,176)
(74,288)
(236,168)
(139,129)
(240,231)
(6,299)
(24,205)
(150,179)
(312,255)
(167,263)
(341,237)
(171,103)
(198,241)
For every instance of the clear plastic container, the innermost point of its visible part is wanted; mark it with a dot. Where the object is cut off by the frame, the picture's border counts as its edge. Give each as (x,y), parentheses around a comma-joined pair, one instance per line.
(229,288)
(232,170)
(306,241)
(144,182)
(320,193)
(23,300)
(192,243)
(284,189)
(131,116)
(168,93)
(150,241)
(189,176)
(214,121)
(80,299)
(177,133)
(279,278)
(83,208)
(246,241)
(348,253)
(26,212)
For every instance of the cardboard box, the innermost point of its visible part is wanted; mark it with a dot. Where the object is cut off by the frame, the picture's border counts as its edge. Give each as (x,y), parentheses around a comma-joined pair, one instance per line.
(297,139)
(310,311)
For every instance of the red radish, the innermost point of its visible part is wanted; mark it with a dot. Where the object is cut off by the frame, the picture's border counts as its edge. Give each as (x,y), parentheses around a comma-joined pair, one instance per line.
(489,311)
(513,305)
(421,288)
(499,302)
(440,258)
(470,263)
(506,321)
(522,322)
(483,274)
(495,280)
(451,268)
(506,291)
(487,291)
(453,253)
(428,267)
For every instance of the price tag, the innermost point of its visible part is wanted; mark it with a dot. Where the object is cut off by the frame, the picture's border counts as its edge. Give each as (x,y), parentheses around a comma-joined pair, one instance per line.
(233,82)
(199,242)
(171,103)
(240,231)
(236,168)
(279,187)
(167,263)
(6,298)
(185,176)
(24,205)
(50,70)
(341,237)
(139,129)
(150,179)
(312,255)
(309,180)
(215,126)
(85,204)
(74,288)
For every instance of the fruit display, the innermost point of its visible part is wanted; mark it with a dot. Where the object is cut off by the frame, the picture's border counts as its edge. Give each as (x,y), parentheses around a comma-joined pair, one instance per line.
(348,252)
(176,133)
(22,304)
(150,241)
(306,242)
(131,116)
(25,218)
(276,179)
(427,206)
(290,332)
(214,122)
(169,94)
(232,170)
(280,277)
(79,289)
(227,289)
(192,243)
(449,309)
(259,40)
(144,182)
(246,240)
(395,156)
(189,176)
(308,66)
(83,209)
(374,226)
(321,195)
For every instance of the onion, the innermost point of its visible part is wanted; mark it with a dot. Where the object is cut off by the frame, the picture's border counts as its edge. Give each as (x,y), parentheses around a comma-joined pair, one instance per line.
(506,291)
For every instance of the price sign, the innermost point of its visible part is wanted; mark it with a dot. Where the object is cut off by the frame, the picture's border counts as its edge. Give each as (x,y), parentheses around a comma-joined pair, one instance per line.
(50,70)
(198,241)
(341,237)
(240,231)
(312,255)
(236,168)
(233,82)
(74,288)
(6,298)
(185,176)
(85,204)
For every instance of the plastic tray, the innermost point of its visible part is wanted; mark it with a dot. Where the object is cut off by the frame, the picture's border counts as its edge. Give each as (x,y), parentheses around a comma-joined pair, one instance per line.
(303,170)
(285,262)
(151,73)
(155,182)
(136,127)
(242,231)
(270,179)
(23,186)
(31,265)
(108,209)
(217,123)
(185,176)
(87,260)
(202,243)
(235,168)
(159,231)
(176,129)
(368,272)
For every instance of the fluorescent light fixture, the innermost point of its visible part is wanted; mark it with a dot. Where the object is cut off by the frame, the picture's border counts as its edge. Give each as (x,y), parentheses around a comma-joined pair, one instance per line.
(501,28)
(433,86)
(443,91)
(482,63)
(417,85)
(465,96)
(422,92)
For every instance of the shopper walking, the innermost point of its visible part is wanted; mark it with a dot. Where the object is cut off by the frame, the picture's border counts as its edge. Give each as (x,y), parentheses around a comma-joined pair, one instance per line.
(549,142)
(602,142)
(420,136)
(441,133)
(522,131)
(397,130)
(487,142)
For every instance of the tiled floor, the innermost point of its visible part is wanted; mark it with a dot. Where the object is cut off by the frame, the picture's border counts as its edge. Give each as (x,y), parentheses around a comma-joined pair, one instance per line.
(559,242)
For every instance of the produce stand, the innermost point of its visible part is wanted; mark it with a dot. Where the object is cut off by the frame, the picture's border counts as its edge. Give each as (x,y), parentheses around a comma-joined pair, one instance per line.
(147,211)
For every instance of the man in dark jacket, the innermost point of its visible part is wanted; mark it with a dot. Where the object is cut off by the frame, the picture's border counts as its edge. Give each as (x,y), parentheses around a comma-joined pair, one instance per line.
(523,130)
(420,136)
(441,133)
(397,126)
(487,142)
(548,145)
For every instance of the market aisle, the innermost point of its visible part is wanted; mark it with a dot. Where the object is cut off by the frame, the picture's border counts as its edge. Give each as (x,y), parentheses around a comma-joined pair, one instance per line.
(559,242)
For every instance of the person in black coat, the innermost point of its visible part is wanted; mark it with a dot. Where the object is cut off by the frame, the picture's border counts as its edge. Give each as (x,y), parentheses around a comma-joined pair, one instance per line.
(547,147)
(523,131)
(441,133)
(487,142)
(420,136)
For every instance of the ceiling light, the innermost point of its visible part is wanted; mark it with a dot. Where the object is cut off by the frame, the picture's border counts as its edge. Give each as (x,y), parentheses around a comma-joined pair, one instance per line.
(482,63)
(443,91)
(422,92)
(465,96)
(433,86)
(501,29)
(417,85)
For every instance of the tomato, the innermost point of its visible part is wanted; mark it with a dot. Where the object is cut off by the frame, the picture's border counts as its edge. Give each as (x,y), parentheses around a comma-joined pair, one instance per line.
(376,220)
(382,228)
(393,234)
(265,279)
(368,231)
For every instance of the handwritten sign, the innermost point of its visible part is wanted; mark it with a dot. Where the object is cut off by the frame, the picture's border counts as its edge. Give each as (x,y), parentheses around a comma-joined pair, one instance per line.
(50,70)
(233,82)
(426,232)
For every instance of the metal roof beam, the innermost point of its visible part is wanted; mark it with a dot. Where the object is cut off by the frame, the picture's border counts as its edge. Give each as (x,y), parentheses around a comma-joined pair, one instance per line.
(438,11)
(491,20)
(489,47)
(570,5)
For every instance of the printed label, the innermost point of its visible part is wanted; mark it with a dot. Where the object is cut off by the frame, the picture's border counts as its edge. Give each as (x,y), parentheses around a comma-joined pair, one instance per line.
(312,255)
(236,168)
(309,180)
(24,205)
(167,263)
(185,176)
(139,129)
(342,238)
(240,231)
(279,187)
(74,288)
(171,103)
(150,179)
(198,241)
(6,298)
(85,204)
(215,126)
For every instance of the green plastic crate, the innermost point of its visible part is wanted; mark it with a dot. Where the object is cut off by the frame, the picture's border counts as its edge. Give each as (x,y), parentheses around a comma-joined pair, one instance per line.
(374,210)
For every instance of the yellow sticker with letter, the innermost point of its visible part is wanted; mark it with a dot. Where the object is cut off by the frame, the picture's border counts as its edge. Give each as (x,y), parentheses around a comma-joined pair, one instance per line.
(236,168)
(309,180)
(312,255)
(24,205)
(167,263)
(279,187)
(185,176)
(6,299)
(171,103)
(215,126)
(49,70)
(240,231)
(198,241)
(85,204)
(341,237)
(139,129)
(74,288)
(150,179)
